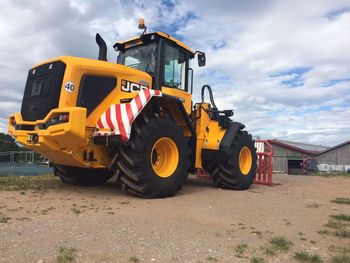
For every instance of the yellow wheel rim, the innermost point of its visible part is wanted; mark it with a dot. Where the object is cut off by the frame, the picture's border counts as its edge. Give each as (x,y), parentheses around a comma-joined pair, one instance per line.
(245,160)
(164,157)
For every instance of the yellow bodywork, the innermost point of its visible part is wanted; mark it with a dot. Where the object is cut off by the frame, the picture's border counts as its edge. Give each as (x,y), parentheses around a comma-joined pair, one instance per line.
(209,133)
(66,143)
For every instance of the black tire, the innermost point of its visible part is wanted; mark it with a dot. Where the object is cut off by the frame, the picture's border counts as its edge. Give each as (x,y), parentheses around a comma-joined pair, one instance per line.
(228,174)
(134,160)
(82,176)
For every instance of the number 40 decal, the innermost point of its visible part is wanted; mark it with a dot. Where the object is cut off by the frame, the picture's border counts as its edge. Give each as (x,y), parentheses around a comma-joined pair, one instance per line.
(69,86)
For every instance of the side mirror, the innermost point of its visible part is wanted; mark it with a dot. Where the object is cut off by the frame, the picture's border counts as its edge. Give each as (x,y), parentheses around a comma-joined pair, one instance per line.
(201,59)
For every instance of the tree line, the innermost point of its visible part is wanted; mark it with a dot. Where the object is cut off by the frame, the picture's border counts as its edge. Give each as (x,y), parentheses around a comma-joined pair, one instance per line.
(7,143)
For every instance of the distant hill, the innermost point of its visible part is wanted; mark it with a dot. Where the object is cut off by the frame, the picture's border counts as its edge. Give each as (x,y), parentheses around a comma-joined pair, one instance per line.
(7,143)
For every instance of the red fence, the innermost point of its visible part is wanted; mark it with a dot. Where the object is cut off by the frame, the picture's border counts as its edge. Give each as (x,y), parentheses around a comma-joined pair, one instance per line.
(264,172)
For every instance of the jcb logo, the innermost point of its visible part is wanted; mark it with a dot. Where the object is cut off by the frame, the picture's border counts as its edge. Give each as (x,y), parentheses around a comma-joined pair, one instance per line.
(129,86)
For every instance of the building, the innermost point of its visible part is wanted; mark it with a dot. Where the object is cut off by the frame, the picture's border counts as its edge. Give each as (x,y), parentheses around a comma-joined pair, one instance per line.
(289,156)
(336,158)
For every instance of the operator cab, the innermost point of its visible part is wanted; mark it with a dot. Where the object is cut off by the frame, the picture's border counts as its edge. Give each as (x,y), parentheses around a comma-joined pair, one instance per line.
(165,58)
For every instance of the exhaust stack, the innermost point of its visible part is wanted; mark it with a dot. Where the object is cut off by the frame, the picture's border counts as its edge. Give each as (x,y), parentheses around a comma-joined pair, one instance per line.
(102,51)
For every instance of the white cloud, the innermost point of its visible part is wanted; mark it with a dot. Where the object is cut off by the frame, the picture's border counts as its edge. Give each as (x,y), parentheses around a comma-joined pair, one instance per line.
(246,43)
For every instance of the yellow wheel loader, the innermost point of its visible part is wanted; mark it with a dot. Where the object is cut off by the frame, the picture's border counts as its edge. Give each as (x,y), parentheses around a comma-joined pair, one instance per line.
(133,119)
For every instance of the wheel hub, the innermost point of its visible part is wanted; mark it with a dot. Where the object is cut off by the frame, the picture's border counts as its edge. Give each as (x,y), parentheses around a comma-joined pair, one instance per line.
(164,157)
(245,160)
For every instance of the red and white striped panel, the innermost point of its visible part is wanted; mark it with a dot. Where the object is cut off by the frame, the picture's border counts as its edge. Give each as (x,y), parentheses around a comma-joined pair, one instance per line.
(118,118)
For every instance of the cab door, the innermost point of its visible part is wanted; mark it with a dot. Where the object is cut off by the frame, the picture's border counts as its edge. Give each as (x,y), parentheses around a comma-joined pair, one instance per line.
(175,75)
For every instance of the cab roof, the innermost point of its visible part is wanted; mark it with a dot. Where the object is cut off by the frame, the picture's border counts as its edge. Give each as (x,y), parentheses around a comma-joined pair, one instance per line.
(133,41)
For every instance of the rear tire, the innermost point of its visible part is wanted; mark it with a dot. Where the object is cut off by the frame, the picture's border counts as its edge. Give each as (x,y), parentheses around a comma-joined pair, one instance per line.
(81,176)
(238,171)
(153,163)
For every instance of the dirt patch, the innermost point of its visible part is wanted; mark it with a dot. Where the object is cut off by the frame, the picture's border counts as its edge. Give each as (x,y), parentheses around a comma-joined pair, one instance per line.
(200,224)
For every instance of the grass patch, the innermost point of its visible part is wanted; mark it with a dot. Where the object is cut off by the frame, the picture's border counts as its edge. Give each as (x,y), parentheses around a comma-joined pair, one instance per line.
(341,201)
(342,233)
(277,245)
(324,232)
(76,210)
(124,202)
(304,256)
(45,211)
(212,259)
(66,255)
(134,259)
(4,218)
(257,260)
(313,205)
(258,233)
(38,183)
(335,224)
(343,250)
(340,259)
(331,174)
(240,248)
(341,217)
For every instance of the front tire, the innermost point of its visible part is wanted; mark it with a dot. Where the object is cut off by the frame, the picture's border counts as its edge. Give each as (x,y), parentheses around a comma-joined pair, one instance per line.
(238,171)
(153,163)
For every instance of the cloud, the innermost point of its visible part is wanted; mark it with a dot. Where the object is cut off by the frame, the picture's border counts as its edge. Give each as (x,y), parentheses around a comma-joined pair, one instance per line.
(283,66)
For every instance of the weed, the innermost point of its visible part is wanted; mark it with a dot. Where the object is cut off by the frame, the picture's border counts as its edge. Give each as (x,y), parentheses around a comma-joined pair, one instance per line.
(300,233)
(212,259)
(335,224)
(343,233)
(22,193)
(343,250)
(341,201)
(124,202)
(304,256)
(312,241)
(324,232)
(66,255)
(44,212)
(277,244)
(280,243)
(313,205)
(240,248)
(23,218)
(76,210)
(258,233)
(4,218)
(134,259)
(341,259)
(257,260)
(303,239)
(341,217)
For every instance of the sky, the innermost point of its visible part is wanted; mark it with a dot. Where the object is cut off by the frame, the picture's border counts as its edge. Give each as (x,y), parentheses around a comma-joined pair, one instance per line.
(282,66)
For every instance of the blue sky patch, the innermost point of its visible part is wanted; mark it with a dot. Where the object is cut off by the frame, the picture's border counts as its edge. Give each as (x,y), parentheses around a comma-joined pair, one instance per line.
(333,82)
(335,13)
(296,80)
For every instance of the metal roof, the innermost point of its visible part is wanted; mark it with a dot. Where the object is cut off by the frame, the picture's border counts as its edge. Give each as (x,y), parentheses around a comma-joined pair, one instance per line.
(300,147)
(335,147)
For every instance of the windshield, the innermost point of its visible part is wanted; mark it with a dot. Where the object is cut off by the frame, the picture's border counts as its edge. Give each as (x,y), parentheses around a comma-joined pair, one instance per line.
(140,57)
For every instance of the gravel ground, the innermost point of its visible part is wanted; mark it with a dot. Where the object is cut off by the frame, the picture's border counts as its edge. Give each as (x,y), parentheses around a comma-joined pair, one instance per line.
(200,224)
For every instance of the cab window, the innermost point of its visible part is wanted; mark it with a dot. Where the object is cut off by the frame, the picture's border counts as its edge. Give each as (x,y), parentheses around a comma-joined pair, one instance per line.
(174,68)
(140,57)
